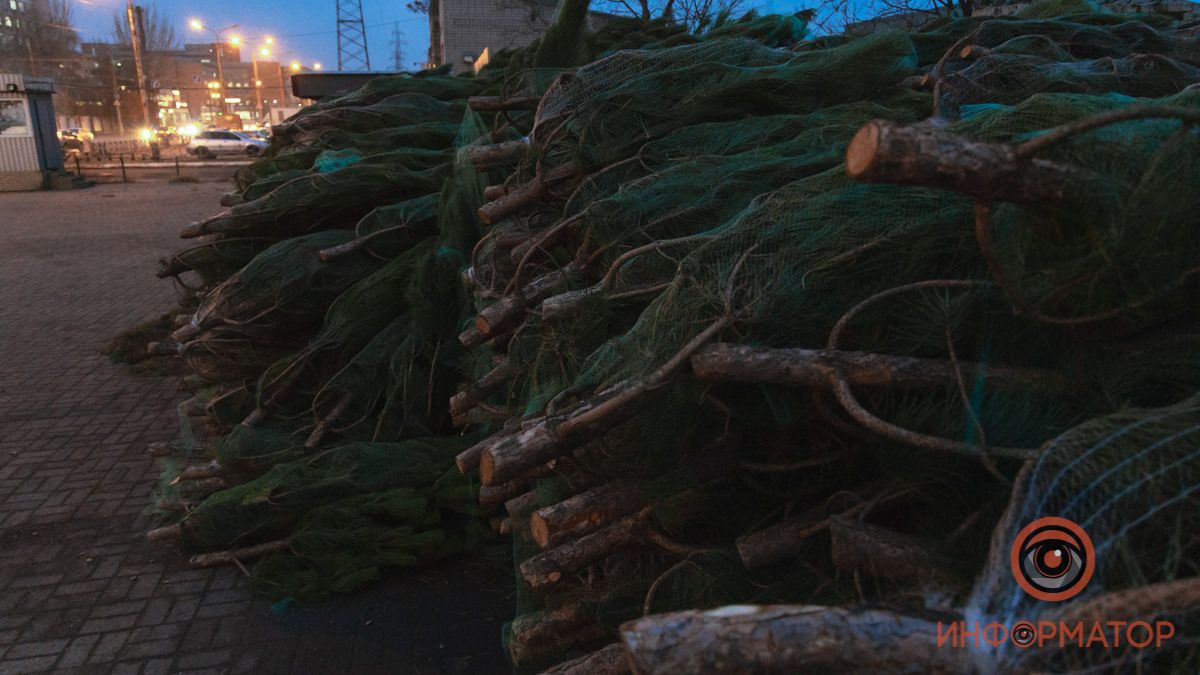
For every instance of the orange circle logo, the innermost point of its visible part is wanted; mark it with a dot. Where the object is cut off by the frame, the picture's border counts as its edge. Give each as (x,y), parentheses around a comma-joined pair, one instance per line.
(1053,559)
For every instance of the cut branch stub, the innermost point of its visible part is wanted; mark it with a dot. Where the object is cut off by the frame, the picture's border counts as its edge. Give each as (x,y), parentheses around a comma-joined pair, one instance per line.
(788,639)
(924,155)
(584,513)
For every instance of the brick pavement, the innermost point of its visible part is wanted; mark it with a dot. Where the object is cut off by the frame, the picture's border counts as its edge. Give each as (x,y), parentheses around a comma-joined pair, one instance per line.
(80,589)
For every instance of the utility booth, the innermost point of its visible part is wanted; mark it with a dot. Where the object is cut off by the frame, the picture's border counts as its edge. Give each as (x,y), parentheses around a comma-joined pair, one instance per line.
(29,148)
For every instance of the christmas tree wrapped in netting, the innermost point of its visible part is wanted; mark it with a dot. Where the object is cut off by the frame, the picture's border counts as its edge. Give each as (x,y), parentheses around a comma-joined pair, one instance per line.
(806,329)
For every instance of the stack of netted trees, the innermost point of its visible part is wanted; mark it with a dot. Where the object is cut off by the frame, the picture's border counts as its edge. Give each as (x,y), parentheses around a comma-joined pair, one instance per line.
(729,319)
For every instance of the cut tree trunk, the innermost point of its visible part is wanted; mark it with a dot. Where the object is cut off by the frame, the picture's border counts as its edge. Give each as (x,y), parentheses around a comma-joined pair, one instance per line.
(522,505)
(212,469)
(521,196)
(788,639)
(234,556)
(610,660)
(468,459)
(925,155)
(540,635)
(814,367)
(512,201)
(491,495)
(484,157)
(493,192)
(487,385)
(165,533)
(880,552)
(787,539)
(508,312)
(554,436)
(549,567)
(1139,603)
(318,433)
(583,513)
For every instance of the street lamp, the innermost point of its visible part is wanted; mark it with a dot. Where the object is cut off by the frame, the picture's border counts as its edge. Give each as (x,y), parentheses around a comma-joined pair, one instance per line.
(265,53)
(316,66)
(197,25)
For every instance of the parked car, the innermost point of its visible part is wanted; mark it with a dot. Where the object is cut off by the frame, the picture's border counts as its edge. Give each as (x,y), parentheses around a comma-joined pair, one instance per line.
(75,133)
(225,142)
(165,135)
(71,146)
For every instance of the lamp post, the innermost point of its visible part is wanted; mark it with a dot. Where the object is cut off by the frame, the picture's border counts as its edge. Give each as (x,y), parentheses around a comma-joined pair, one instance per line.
(265,52)
(220,44)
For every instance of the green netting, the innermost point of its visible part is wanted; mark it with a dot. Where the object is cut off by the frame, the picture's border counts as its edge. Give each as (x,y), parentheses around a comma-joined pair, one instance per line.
(708,192)
(338,198)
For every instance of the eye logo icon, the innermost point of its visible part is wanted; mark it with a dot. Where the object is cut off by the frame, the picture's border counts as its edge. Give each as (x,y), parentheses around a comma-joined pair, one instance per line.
(1053,559)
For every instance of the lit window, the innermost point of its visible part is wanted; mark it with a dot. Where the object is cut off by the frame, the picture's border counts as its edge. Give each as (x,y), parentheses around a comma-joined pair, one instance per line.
(8,21)
(12,4)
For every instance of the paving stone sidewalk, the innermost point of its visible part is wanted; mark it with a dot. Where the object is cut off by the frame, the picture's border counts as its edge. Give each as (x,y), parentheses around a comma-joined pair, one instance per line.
(81,591)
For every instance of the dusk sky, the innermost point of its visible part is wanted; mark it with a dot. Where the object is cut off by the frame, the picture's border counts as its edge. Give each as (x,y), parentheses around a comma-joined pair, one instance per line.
(304,30)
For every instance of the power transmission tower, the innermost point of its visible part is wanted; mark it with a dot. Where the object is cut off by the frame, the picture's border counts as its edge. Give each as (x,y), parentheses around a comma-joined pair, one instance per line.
(352,37)
(397,48)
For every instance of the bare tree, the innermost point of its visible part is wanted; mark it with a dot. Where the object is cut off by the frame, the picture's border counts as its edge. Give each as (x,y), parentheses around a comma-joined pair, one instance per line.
(46,42)
(837,15)
(159,35)
(158,39)
(699,15)
(696,15)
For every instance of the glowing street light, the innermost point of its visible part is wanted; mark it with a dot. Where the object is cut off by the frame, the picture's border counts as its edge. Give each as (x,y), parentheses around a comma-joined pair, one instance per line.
(199,25)
(316,66)
(295,66)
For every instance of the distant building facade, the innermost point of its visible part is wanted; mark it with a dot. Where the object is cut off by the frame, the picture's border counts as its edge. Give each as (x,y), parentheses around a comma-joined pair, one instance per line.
(462,31)
(13,15)
(183,85)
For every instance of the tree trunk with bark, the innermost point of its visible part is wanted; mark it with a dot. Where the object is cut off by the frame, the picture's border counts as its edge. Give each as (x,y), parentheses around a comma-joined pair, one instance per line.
(583,513)
(925,155)
(788,639)
(814,368)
